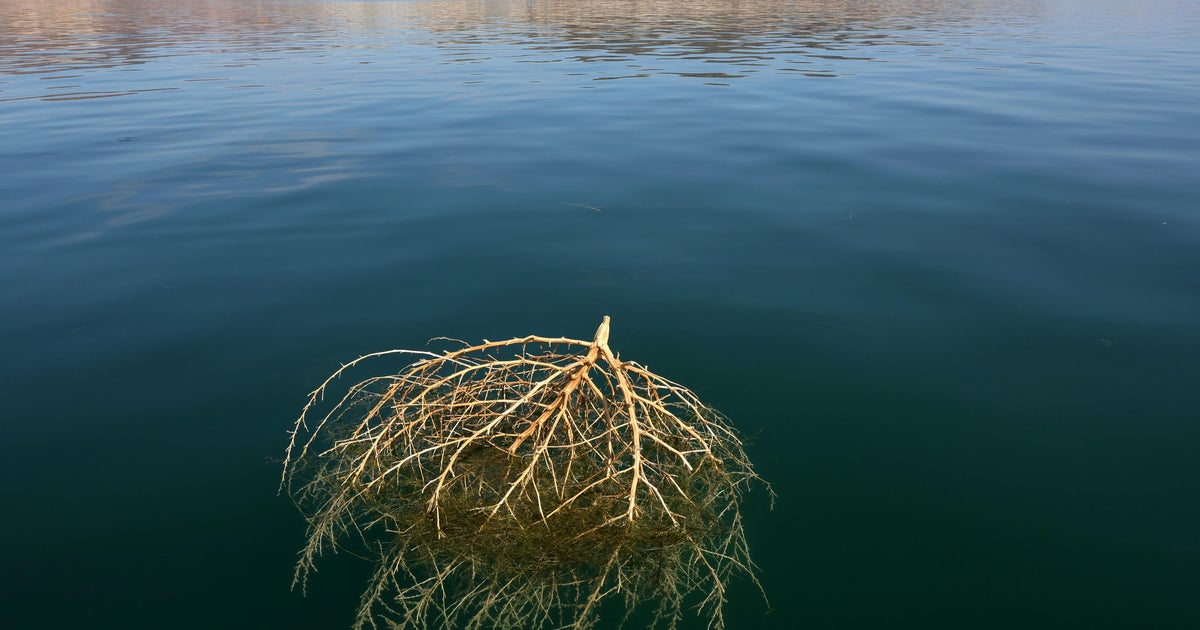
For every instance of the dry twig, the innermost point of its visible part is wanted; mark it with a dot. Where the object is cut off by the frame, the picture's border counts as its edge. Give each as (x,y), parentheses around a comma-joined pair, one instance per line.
(520,484)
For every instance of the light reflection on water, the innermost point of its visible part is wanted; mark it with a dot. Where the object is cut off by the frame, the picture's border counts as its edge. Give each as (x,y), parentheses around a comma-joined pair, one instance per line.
(226,62)
(736,37)
(959,235)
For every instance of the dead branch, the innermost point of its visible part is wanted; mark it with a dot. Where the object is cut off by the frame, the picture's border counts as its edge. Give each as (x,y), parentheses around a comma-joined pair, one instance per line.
(520,483)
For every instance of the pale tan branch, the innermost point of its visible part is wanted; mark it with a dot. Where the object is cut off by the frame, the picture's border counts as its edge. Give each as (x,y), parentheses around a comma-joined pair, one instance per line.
(521,483)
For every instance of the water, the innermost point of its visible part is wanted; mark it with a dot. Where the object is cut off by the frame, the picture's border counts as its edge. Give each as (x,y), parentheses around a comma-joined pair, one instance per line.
(941,259)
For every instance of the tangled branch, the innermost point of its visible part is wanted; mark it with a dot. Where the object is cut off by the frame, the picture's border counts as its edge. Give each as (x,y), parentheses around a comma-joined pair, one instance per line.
(521,483)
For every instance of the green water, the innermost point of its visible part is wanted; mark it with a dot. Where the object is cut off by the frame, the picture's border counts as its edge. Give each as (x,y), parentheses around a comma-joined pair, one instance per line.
(940,260)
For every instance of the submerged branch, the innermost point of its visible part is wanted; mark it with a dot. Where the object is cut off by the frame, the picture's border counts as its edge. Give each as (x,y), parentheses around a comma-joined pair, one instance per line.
(522,491)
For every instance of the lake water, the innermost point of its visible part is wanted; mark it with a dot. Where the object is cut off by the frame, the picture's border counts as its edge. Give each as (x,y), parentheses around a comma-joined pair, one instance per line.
(939,258)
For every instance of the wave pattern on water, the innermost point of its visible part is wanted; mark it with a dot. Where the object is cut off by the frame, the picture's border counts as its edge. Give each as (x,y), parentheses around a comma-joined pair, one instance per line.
(942,255)
(74,35)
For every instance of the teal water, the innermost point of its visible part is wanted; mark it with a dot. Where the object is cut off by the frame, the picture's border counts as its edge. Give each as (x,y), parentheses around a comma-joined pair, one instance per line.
(941,259)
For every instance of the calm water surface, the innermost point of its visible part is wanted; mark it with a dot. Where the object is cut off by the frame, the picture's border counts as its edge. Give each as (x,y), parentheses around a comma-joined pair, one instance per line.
(940,257)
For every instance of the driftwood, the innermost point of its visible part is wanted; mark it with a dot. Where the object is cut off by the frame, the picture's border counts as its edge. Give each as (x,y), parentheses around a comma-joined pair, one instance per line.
(521,484)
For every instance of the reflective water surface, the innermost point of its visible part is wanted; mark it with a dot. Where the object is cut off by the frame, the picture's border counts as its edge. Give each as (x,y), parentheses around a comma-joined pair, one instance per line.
(940,259)
(80,35)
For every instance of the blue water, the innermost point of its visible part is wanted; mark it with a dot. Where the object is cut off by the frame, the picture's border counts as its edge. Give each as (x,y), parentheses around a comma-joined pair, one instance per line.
(939,259)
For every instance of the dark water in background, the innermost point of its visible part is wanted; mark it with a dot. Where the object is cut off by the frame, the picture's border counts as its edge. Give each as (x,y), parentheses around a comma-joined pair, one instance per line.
(941,257)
